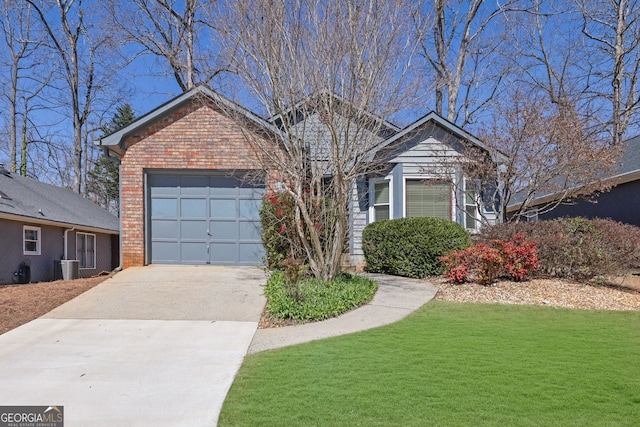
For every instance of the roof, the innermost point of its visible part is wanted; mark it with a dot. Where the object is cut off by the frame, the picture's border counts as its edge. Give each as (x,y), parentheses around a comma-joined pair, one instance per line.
(433,117)
(628,170)
(25,199)
(313,102)
(115,141)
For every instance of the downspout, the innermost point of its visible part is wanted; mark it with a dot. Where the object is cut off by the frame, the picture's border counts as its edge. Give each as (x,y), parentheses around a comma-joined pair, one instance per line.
(117,160)
(65,241)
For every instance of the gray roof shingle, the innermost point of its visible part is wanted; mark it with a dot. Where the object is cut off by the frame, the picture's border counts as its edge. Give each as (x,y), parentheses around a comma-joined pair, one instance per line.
(25,197)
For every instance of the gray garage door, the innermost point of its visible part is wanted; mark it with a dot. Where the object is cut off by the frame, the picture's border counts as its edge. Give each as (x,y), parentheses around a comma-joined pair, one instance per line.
(199,219)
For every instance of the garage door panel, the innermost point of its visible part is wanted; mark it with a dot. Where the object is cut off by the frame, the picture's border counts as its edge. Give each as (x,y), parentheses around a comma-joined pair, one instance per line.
(197,219)
(224,230)
(249,231)
(195,252)
(165,229)
(193,229)
(164,185)
(225,252)
(249,209)
(223,208)
(193,208)
(162,207)
(165,252)
(249,252)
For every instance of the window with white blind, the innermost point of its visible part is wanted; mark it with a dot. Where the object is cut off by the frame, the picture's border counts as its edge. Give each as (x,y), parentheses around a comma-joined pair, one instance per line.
(86,250)
(428,198)
(470,205)
(381,209)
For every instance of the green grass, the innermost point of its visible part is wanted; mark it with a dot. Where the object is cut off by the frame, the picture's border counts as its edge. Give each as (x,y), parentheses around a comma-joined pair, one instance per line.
(452,364)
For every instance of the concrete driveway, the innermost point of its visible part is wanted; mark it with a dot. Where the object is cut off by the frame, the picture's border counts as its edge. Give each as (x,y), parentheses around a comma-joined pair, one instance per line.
(152,346)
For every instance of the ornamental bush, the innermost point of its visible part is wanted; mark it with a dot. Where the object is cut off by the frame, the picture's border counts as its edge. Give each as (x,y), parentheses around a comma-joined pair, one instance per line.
(576,248)
(411,247)
(484,263)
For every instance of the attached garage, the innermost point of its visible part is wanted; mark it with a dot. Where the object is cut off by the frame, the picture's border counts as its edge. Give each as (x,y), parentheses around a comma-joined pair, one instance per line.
(203,217)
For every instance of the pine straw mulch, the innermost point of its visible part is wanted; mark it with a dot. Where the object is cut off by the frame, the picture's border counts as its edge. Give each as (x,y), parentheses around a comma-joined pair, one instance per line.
(618,294)
(20,304)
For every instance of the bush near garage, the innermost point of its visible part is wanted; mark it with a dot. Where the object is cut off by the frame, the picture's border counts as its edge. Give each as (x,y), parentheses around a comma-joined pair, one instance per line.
(576,248)
(411,247)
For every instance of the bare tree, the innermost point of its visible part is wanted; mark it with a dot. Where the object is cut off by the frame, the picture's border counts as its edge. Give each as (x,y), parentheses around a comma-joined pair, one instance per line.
(169,30)
(552,157)
(613,29)
(459,39)
(27,78)
(77,44)
(328,73)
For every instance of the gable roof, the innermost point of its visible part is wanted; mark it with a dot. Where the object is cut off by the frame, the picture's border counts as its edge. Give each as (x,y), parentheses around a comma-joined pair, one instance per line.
(313,102)
(114,142)
(28,200)
(435,118)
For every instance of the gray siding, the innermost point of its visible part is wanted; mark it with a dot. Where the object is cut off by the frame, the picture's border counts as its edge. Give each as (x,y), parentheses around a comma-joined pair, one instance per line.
(621,203)
(421,156)
(52,249)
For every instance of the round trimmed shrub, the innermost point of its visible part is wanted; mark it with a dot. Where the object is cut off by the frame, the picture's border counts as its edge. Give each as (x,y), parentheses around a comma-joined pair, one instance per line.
(411,247)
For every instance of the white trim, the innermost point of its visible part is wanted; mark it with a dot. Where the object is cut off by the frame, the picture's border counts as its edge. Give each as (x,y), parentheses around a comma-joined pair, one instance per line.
(20,218)
(95,242)
(38,240)
(465,204)
(372,195)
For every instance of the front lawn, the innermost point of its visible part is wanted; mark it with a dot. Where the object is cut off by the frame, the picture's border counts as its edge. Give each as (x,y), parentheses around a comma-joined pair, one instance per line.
(452,364)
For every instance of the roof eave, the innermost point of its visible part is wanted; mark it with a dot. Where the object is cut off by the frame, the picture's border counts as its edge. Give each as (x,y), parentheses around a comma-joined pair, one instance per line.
(40,221)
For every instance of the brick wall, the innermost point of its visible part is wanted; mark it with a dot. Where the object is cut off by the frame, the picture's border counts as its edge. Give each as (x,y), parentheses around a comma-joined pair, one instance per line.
(195,136)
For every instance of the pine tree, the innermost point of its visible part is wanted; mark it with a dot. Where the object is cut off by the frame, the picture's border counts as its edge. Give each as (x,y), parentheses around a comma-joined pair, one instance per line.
(104,179)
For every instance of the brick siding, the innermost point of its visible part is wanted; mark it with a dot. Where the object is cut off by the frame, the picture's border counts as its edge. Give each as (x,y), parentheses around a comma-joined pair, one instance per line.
(195,136)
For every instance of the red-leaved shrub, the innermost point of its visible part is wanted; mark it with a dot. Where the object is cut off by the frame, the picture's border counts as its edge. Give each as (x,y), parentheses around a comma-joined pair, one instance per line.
(484,263)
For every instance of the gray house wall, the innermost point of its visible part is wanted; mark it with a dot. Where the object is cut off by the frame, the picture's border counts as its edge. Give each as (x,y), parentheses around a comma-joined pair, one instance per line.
(428,154)
(51,249)
(621,203)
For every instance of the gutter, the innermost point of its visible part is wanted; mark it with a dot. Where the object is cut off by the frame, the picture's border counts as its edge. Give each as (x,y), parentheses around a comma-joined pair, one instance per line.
(65,241)
(119,163)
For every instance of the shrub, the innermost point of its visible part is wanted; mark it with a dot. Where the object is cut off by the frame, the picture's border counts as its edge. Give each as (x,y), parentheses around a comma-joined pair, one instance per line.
(411,246)
(577,248)
(283,245)
(486,262)
(315,299)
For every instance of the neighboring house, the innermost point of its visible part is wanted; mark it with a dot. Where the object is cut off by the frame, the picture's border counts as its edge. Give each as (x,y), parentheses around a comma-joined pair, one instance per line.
(621,203)
(41,224)
(186,200)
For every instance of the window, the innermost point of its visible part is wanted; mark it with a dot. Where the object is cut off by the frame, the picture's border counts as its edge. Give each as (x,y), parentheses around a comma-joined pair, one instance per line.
(85,250)
(381,209)
(31,239)
(428,198)
(470,205)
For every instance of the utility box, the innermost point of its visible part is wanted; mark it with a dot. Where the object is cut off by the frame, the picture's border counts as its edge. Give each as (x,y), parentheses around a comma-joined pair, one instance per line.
(69,269)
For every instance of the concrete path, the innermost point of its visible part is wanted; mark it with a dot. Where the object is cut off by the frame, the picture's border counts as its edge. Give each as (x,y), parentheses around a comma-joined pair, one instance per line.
(160,346)
(397,297)
(152,346)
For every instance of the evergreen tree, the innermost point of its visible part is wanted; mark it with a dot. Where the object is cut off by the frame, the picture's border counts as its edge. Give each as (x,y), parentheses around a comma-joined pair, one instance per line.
(104,179)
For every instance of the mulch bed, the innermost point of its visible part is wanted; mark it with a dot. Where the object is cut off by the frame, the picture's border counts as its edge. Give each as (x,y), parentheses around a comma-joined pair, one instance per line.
(551,292)
(20,304)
